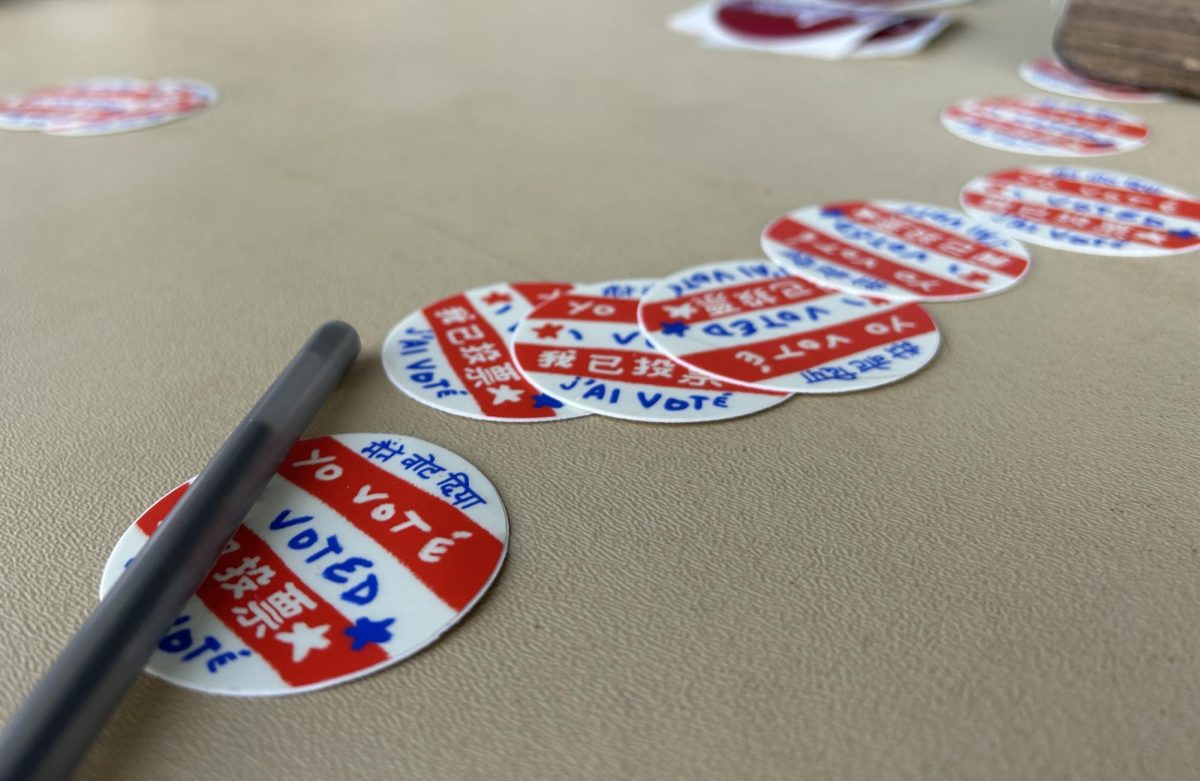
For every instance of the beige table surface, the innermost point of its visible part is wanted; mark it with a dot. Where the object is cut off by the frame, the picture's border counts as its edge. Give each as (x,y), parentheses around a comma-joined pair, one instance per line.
(986,572)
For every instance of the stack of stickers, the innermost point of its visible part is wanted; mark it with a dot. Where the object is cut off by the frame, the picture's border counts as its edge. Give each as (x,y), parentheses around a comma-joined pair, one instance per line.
(835,309)
(822,29)
(104,106)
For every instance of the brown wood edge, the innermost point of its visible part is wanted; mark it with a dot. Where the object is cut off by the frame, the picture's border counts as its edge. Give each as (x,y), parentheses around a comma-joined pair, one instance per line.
(1161,53)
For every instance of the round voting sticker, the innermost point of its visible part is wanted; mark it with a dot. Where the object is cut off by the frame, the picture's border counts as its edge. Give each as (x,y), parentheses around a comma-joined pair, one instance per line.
(752,323)
(364,549)
(104,106)
(899,251)
(1045,126)
(586,348)
(1047,73)
(454,355)
(1086,210)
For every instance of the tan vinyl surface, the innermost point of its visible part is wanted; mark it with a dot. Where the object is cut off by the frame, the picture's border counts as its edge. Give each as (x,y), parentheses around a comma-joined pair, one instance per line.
(990,571)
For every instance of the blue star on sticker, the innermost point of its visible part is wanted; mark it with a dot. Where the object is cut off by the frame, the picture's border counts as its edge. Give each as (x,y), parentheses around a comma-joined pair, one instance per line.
(542,400)
(831,212)
(674,327)
(367,631)
(1182,233)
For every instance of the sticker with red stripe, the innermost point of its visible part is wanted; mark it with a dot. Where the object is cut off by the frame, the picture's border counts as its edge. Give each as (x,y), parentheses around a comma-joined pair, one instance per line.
(275,626)
(1101,188)
(1045,126)
(1047,73)
(1086,210)
(105,105)
(1106,121)
(586,347)
(735,299)
(364,549)
(454,355)
(977,124)
(834,343)
(895,250)
(395,510)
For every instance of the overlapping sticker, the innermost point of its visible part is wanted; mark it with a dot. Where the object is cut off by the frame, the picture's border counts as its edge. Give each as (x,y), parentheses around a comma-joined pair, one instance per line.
(453,355)
(364,549)
(796,28)
(1047,73)
(586,348)
(813,28)
(895,250)
(752,323)
(105,106)
(1045,126)
(1086,210)
(792,28)
(903,38)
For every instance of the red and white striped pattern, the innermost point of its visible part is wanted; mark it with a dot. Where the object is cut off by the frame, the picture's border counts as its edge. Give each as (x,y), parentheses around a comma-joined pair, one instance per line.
(895,250)
(326,523)
(749,323)
(586,348)
(1045,126)
(1086,210)
(103,106)
(454,354)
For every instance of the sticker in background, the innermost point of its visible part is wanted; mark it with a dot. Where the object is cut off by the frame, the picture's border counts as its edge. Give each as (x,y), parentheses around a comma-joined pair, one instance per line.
(586,348)
(906,37)
(453,355)
(752,323)
(1045,126)
(781,27)
(894,250)
(1047,73)
(363,550)
(894,6)
(1086,210)
(105,106)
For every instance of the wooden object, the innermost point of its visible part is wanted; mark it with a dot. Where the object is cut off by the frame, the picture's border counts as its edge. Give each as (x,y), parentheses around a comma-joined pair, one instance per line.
(1153,44)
